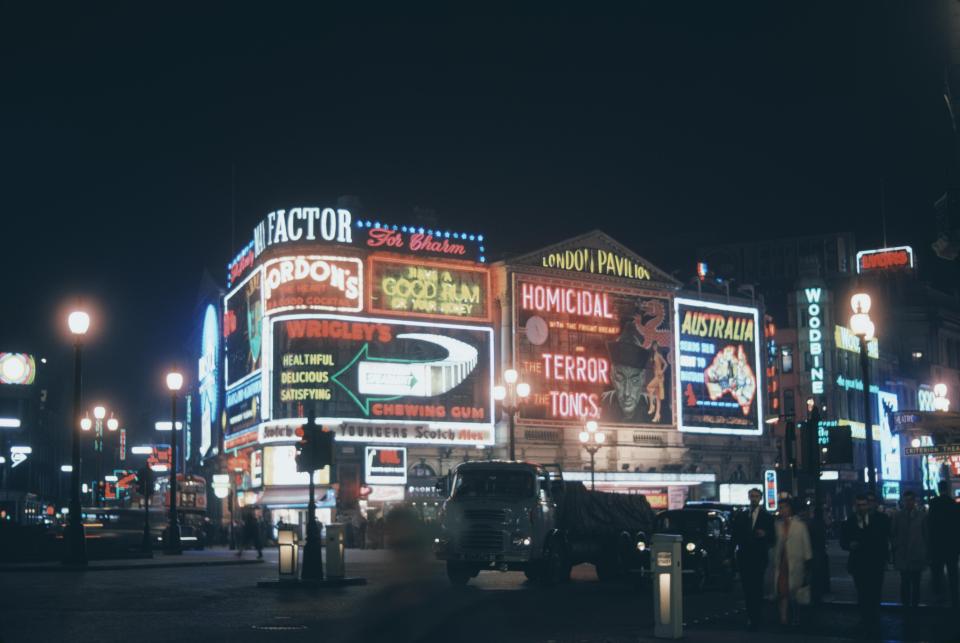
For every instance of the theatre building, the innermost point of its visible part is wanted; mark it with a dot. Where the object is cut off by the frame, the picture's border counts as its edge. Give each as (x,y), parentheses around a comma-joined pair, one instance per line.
(673,380)
(384,331)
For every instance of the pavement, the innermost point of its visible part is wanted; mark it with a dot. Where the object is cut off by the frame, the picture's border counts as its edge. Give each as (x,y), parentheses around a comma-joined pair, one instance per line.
(405,599)
(189,558)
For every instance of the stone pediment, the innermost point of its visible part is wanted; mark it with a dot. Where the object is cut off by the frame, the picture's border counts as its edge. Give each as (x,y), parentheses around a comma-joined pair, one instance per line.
(596,254)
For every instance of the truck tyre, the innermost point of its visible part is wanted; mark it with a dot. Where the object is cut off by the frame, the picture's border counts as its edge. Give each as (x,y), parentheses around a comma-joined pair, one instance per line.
(459,574)
(555,565)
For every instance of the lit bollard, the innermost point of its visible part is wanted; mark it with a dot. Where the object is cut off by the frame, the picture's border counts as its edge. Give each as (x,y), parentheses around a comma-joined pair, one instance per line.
(336,546)
(289,546)
(665,568)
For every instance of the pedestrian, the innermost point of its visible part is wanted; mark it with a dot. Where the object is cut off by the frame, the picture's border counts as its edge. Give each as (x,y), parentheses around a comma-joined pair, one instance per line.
(791,571)
(908,537)
(754,534)
(250,533)
(865,535)
(943,527)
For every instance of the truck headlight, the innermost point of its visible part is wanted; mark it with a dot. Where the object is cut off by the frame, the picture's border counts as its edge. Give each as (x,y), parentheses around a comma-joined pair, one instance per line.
(522,541)
(641,546)
(691,547)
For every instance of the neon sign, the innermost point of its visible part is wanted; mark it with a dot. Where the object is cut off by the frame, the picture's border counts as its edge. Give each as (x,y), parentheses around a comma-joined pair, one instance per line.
(897,258)
(415,288)
(564,300)
(313,282)
(209,381)
(815,337)
(719,366)
(302,224)
(596,261)
(17,368)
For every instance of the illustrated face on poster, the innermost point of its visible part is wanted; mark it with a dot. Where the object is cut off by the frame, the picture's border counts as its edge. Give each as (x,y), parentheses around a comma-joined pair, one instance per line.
(719,367)
(593,353)
(383,370)
(242,327)
(889,442)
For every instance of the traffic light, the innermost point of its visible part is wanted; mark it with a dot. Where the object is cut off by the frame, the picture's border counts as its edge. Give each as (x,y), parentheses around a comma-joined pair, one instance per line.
(315,449)
(839,447)
(145,481)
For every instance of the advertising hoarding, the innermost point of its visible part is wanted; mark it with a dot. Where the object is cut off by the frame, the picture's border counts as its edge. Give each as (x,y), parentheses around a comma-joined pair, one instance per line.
(593,352)
(313,282)
(885,259)
(243,405)
(719,368)
(887,405)
(208,380)
(417,288)
(385,465)
(243,327)
(379,370)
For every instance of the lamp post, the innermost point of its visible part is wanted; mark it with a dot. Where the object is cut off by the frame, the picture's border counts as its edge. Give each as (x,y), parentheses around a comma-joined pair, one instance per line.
(863,328)
(79,323)
(112,424)
(510,395)
(174,382)
(592,440)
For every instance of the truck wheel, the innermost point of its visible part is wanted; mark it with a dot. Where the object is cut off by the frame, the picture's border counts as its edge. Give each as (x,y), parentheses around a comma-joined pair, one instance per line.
(556,567)
(459,574)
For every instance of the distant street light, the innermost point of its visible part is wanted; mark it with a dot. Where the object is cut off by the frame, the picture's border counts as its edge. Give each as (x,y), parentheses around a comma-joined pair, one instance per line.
(940,400)
(862,326)
(592,440)
(174,383)
(510,398)
(78,322)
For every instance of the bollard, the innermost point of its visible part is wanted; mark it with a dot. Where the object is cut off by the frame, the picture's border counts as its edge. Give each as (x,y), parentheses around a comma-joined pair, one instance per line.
(289,546)
(336,547)
(666,570)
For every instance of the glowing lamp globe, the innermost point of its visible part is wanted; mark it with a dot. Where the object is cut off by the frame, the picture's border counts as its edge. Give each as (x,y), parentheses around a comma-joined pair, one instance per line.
(174,381)
(584,437)
(591,425)
(510,376)
(523,389)
(862,326)
(600,437)
(99,412)
(79,322)
(86,424)
(113,424)
(940,390)
(499,393)
(860,303)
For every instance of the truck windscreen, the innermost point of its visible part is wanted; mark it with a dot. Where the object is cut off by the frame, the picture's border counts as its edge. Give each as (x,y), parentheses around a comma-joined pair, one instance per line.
(492,482)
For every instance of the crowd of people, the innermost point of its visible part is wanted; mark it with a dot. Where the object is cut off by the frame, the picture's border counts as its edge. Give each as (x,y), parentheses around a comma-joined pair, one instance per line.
(912,538)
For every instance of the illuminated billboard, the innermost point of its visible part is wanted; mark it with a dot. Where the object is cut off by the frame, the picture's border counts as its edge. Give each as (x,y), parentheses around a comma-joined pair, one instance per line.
(17,368)
(718,372)
(379,370)
(890,468)
(423,289)
(208,380)
(242,328)
(313,282)
(385,465)
(593,352)
(885,259)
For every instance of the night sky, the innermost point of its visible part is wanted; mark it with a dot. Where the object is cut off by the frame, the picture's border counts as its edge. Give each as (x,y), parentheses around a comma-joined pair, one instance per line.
(120,131)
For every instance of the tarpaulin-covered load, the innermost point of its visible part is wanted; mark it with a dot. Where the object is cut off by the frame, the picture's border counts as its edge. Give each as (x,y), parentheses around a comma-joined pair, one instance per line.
(596,513)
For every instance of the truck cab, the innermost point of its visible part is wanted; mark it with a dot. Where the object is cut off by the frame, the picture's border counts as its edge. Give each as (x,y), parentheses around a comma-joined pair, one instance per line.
(501,515)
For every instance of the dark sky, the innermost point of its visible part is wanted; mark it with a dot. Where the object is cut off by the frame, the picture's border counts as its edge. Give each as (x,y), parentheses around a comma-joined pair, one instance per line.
(668,126)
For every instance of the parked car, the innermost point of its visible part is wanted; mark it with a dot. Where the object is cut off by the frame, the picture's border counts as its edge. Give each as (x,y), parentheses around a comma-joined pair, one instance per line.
(707,548)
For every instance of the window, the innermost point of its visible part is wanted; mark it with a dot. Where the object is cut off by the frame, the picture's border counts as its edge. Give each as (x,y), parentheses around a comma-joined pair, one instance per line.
(786,359)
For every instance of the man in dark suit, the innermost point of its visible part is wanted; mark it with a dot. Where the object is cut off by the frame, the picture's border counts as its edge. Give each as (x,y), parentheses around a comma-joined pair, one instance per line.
(866,536)
(753,535)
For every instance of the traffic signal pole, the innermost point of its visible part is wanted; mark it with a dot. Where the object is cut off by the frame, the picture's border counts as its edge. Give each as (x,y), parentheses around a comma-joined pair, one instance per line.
(312,560)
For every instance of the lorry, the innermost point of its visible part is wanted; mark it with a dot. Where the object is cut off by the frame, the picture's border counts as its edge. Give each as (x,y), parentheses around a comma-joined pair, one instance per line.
(521,516)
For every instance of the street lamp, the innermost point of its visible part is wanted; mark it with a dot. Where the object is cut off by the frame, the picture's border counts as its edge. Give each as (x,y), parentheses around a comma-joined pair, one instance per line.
(174,382)
(99,413)
(510,397)
(863,328)
(592,440)
(78,322)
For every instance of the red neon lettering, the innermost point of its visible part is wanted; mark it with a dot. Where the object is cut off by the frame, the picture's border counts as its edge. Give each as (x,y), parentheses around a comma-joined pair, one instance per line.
(382,237)
(576,368)
(566,301)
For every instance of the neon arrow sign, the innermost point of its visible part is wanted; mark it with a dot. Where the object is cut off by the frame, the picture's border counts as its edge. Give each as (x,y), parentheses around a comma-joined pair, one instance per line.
(390,379)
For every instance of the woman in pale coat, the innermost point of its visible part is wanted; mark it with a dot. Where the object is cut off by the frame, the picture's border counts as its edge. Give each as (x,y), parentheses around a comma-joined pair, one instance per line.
(791,562)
